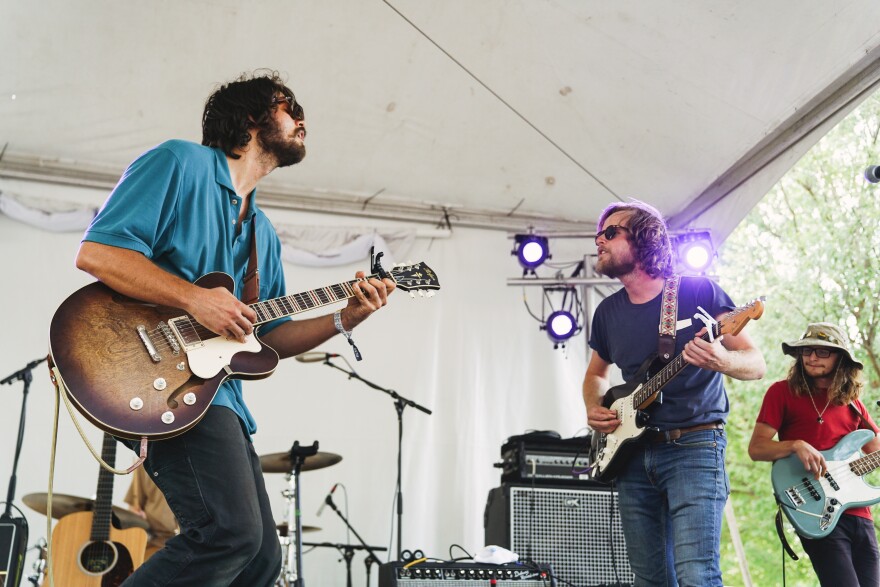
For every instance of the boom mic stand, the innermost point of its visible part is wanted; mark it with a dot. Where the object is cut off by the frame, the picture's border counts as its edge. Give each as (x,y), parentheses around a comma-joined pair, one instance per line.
(400,403)
(349,549)
(18,526)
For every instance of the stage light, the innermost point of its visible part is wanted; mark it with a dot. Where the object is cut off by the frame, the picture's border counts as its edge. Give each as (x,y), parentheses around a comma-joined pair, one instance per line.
(694,251)
(561,325)
(530,250)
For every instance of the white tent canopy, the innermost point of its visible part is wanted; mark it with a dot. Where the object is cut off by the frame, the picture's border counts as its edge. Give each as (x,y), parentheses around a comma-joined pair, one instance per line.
(501,113)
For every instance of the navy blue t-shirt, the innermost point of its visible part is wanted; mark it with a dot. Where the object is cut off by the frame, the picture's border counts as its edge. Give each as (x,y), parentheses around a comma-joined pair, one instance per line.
(626,334)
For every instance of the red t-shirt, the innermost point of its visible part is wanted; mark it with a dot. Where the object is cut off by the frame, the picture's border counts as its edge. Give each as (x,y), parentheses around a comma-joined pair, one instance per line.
(795,418)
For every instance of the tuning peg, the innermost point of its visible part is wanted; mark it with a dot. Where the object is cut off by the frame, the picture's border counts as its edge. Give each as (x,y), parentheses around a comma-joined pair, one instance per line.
(430,294)
(412,294)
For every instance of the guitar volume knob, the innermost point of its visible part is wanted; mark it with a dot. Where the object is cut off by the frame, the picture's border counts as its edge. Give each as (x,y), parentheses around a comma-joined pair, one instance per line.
(136,403)
(167,417)
(189,399)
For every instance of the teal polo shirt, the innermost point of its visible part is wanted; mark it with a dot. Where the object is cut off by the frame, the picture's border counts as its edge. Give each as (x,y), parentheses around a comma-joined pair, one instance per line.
(176,205)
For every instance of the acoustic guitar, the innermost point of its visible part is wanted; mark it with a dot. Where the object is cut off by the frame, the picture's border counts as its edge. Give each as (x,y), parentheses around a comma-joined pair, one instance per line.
(87,549)
(610,451)
(136,369)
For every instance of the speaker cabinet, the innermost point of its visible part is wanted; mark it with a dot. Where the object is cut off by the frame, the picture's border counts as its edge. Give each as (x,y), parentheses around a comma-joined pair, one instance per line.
(575,530)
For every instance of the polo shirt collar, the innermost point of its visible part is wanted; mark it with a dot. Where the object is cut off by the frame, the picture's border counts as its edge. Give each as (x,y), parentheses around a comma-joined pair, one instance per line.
(222,176)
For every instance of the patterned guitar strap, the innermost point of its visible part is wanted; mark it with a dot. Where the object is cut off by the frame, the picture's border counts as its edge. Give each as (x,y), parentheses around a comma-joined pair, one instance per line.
(668,318)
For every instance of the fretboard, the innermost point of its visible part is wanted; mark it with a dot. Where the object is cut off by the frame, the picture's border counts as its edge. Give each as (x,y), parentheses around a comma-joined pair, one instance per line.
(670,370)
(300,302)
(865,464)
(104,498)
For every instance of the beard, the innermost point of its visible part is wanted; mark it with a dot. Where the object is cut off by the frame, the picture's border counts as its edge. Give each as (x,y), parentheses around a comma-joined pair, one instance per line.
(286,150)
(614,268)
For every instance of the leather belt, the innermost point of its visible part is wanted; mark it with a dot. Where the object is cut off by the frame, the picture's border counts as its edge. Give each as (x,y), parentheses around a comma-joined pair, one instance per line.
(676,433)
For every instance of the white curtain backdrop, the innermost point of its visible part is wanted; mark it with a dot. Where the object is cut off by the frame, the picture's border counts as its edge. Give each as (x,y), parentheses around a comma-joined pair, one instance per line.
(471,354)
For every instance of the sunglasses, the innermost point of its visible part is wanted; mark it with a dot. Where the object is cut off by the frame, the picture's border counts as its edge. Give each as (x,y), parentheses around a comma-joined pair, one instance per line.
(293,107)
(821,353)
(610,232)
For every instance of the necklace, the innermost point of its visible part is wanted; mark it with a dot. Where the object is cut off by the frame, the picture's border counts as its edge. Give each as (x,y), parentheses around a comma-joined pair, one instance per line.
(828,403)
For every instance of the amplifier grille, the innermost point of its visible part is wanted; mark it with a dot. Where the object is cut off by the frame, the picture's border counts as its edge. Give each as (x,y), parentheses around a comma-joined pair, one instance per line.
(576,531)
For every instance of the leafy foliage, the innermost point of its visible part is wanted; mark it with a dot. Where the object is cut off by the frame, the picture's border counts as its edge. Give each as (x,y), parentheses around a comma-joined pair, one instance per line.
(811,246)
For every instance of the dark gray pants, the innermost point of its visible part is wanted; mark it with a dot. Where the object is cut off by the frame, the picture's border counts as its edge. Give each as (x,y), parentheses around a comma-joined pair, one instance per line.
(212,481)
(847,556)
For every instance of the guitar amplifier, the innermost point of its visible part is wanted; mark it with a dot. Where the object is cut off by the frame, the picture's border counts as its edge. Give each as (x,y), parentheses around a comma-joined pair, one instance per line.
(13,546)
(544,457)
(575,530)
(396,574)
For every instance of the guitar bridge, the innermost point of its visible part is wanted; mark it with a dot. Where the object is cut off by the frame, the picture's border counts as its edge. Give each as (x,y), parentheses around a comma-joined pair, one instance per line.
(148,343)
(794,496)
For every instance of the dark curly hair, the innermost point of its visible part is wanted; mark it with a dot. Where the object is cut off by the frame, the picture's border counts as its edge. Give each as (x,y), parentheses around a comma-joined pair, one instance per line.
(238,106)
(647,230)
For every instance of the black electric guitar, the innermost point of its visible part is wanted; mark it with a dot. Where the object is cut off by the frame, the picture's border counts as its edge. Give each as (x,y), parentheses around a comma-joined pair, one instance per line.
(609,451)
(136,369)
(87,550)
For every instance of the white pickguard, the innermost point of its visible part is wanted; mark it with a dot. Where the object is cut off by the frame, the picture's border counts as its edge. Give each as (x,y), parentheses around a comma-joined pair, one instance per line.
(210,357)
(627,430)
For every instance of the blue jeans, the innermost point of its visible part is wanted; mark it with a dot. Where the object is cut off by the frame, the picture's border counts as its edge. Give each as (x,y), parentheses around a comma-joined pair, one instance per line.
(212,480)
(672,498)
(848,555)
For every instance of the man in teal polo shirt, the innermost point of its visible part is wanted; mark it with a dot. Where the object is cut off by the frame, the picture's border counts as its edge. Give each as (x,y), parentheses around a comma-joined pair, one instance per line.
(180,211)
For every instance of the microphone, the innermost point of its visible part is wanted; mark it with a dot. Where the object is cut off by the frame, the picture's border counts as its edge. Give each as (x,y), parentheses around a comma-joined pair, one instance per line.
(872,173)
(327,499)
(315,357)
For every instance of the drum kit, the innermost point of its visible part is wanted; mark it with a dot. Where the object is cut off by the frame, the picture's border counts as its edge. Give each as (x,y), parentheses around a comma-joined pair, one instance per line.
(289,530)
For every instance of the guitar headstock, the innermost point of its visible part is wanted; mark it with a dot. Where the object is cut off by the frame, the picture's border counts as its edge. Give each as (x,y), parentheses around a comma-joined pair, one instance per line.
(736,319)
(414,277)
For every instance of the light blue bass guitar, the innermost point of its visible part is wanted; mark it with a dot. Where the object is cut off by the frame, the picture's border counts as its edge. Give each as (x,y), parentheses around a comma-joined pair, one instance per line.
(814,507)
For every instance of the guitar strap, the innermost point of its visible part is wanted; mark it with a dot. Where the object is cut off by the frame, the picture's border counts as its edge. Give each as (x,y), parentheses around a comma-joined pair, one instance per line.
(781,533)
(251,292)
(668,318)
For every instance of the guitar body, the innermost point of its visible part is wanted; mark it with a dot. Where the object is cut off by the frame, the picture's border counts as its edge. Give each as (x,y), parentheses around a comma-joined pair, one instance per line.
(80,562)
(120,386)
(611,451)
(814,507)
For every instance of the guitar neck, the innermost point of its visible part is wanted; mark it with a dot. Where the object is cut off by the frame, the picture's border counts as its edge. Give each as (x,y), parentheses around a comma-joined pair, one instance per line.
(289,305)
(666,374)
(864,465)
(101,516)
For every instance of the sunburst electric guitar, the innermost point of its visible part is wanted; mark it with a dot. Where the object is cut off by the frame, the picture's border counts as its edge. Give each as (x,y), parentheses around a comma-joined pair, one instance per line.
(814,506)
(609,451)
(87,550)
(137,370)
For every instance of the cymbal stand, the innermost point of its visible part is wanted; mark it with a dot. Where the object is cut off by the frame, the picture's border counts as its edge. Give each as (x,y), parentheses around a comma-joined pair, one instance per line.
(292,577)
(400,403)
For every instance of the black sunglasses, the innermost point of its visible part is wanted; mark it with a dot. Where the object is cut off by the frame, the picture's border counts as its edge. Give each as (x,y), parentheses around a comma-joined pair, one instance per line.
(806,351)
(610,232)
(296,111)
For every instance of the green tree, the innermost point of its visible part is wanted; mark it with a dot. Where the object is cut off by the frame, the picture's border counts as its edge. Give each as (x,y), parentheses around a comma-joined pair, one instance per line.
(811,246)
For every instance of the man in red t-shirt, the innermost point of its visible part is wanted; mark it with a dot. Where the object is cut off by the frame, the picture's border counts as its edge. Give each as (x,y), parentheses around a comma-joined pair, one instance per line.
(811,411)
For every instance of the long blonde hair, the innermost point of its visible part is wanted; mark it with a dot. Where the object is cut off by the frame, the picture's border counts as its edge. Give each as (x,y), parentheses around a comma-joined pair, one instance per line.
(846,385)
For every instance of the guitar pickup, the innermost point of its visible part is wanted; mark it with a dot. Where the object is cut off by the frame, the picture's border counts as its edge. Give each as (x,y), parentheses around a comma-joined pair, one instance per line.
(831,481)
(184,329)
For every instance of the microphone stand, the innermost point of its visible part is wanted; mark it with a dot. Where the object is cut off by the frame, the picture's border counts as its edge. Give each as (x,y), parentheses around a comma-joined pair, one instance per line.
(349,549)
(26,376)
(400,403)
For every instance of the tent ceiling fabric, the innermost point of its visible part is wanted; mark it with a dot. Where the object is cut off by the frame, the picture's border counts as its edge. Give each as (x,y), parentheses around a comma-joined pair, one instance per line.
(504,113)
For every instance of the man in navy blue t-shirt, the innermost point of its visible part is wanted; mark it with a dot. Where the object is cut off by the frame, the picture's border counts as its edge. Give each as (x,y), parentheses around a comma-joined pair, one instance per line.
(673,486)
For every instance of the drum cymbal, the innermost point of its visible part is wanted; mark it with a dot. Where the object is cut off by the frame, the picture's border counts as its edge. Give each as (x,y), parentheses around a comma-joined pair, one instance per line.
(63,505)
(280,462)
(282,529)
